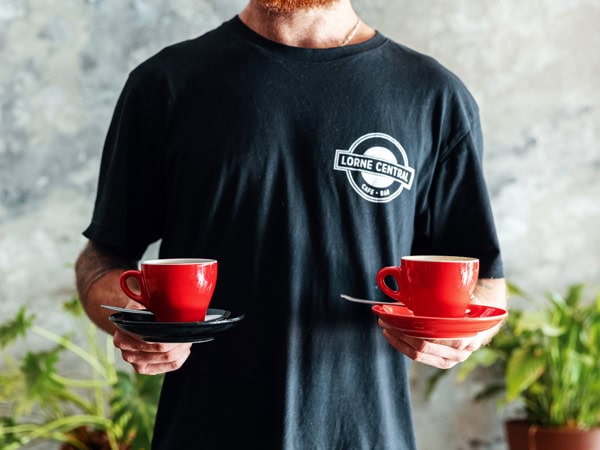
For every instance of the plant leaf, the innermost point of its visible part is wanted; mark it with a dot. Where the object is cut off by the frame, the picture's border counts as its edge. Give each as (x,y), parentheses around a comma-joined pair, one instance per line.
(524,367)
(552,331)
(433,381)
(484,357)
(8,440)
(38,369)
(491,390)
(574,295)
(134,404)
(12,329)
(73,307)
(531,321)
(514,290)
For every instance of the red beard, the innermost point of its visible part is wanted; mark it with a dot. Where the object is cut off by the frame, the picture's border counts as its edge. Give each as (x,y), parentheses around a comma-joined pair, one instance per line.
(287,6)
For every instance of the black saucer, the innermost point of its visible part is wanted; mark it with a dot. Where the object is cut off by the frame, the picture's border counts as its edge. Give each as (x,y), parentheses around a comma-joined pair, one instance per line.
(144,326)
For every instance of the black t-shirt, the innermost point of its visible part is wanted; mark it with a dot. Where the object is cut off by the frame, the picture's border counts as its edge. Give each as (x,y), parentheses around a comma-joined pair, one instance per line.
(303,172)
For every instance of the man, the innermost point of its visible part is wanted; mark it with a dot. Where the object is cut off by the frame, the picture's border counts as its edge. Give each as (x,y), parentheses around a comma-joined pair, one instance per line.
(304,151)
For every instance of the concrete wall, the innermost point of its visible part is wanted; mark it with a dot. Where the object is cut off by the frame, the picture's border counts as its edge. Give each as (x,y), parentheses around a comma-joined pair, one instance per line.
(533,66)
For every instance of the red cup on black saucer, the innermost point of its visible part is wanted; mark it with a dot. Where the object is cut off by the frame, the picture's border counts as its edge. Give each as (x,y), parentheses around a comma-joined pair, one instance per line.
(175,290)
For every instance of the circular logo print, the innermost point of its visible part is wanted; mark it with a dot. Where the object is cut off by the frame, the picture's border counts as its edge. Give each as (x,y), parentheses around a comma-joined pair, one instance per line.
(376,166)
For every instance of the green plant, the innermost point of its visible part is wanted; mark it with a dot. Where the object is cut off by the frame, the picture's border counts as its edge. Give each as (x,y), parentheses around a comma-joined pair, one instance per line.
(109,409)
(549,355)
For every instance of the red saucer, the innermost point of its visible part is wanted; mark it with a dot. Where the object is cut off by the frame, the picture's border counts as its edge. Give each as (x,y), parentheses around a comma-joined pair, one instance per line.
(478,318)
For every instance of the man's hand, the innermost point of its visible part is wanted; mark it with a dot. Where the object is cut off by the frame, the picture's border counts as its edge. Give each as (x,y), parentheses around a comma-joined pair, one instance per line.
(445,354)
(98,270)
(150,358)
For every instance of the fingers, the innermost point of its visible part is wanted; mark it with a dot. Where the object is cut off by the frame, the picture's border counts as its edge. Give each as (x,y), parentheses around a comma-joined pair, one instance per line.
(151,358)
(436,353)
(132,304)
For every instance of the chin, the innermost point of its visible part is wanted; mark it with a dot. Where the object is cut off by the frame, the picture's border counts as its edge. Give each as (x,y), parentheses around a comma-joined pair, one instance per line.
(288,6)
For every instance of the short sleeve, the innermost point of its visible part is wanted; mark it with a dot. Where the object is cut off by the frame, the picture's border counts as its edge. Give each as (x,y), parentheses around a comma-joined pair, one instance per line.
(129,208)
(459,219)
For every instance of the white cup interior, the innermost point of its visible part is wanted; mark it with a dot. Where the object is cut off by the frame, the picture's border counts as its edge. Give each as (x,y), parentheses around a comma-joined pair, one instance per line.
(179,261)
(439,258)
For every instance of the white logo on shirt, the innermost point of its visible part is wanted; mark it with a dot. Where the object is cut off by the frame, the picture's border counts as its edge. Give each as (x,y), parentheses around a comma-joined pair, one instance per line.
(376,166)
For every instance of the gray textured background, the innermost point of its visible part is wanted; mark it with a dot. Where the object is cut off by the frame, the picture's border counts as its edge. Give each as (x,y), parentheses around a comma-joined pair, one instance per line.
(533,66)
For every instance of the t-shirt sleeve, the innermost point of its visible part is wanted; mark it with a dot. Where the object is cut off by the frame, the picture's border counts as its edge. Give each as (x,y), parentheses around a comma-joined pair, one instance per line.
(130,208)
(459,219)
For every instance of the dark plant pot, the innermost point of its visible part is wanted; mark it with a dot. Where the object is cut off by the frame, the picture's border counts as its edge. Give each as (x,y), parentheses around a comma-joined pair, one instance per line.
(93,439)
(523,436)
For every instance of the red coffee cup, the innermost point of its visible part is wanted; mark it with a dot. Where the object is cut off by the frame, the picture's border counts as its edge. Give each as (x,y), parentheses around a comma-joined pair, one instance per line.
(432,285)
(175,290)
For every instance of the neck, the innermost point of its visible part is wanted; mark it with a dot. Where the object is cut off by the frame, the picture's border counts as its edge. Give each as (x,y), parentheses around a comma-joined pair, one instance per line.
(318,27)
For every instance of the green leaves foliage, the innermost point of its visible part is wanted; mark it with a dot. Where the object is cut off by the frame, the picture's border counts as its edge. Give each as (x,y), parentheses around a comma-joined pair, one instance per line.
(115,406)
(12,329)
(134,404)
(524,367)
(549,354)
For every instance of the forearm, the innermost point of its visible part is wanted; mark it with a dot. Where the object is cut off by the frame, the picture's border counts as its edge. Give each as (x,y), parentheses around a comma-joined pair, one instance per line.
(492,292)
(97,272)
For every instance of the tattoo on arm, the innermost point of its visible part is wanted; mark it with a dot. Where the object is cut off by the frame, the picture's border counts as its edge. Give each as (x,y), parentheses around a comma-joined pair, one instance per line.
(93,263)
(485,284)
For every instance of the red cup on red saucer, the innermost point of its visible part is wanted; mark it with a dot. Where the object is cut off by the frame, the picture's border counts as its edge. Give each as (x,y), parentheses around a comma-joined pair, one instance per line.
(432,285)
(435,294)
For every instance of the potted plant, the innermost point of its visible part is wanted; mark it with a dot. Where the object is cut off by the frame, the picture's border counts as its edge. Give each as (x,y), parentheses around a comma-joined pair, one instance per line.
(109,409)
(548,355)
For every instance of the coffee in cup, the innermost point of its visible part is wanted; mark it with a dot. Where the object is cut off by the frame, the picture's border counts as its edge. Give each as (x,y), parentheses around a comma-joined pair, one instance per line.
(432,285)
(175,290)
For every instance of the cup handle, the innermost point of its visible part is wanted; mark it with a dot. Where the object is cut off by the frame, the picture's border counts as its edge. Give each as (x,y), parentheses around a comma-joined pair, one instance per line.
(397,274)
(123,281)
